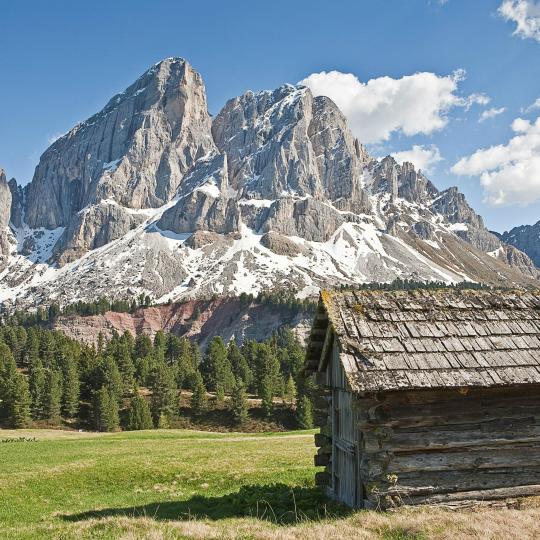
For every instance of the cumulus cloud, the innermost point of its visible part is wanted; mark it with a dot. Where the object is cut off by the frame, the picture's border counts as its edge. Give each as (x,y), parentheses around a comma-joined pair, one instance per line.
(423,157)
(414,104)
(526,15)
(509,173)
(490,113)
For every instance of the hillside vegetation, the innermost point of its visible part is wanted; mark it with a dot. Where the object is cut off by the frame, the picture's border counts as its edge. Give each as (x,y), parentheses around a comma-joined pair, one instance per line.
(163,484)
(47,379)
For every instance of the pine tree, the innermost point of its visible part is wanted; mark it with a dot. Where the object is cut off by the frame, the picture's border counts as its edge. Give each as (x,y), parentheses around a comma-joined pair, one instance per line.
(138,414)
(160,345)
(111,377)
(290,352)
(125,364)
(48,350)
(216,368)
(304,413)
(267,396)
(249,352)
(163,422)
(143,369)
(267,369)
(289,393)
(71,389)
(32,347)
(37,382)
(53,395)
(164,392)
(198,398)
(143,346)
(220,394)
(105,410)
(18,398)
(8,370)
(239,404)
(239,364)
(8,367)
(185,369)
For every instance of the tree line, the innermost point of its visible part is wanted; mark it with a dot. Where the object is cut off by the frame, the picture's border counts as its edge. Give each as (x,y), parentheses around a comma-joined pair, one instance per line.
(409,284)
(96,307)
(284,301)
(135,383)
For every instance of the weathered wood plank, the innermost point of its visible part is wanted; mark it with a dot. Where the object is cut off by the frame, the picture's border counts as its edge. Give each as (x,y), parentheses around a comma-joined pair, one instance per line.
(464,411)
(484,494)
(447,395)
(412,441)
(452,481)
(488,457)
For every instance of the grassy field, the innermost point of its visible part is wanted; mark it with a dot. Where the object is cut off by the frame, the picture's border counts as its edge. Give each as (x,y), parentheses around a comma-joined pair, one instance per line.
(186,484)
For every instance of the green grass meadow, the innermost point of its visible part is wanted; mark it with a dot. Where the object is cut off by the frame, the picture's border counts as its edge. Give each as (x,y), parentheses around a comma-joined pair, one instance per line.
(49,485)
(179,484)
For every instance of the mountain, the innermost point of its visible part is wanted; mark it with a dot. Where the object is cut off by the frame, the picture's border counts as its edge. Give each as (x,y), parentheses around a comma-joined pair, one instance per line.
(153,195)
(134,152)
(525,238)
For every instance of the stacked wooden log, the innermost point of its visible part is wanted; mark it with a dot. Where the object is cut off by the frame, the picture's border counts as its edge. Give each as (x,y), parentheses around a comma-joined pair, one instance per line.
(442,446)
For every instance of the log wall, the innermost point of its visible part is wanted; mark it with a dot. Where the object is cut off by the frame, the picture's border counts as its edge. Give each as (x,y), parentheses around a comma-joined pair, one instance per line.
(443,446)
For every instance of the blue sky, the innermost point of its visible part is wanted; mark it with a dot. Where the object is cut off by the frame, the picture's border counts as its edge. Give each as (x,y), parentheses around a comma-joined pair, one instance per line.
(62,60)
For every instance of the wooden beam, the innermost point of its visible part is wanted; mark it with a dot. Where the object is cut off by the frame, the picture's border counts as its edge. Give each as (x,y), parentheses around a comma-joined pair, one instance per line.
(326,348)
(321,460)
(322,479)
(322,440)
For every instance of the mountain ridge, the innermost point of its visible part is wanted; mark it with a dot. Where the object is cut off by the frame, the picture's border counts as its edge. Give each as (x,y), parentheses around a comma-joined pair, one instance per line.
(525,238)
(153,195)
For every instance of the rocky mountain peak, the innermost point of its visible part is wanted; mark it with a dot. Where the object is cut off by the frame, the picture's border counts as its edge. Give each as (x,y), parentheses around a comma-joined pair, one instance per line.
(134,152)
(454,206)
(5,200)
(151,195)
(286,142)
(401,181)
(525,238)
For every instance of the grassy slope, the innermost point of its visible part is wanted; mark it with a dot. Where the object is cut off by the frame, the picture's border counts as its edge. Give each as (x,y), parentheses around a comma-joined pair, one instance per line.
(180,484)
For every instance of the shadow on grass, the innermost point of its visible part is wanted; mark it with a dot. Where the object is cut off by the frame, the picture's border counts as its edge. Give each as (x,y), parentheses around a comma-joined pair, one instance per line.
(277,503)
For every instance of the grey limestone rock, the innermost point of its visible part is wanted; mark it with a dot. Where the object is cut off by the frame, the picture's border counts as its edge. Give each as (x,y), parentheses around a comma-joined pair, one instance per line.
(205,201)
(5,216)
(135,151)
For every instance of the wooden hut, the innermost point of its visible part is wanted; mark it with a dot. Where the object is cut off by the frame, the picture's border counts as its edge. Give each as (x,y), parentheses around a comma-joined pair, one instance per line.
(427,396)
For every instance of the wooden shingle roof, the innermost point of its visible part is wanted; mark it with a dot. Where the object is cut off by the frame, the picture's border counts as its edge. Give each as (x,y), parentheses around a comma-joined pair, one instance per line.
(392,340)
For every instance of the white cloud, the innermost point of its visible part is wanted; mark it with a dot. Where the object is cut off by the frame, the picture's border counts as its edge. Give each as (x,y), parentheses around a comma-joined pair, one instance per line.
(526,15)
(411,105)
(532,106)
(491,113)
(509,173)
(423,157)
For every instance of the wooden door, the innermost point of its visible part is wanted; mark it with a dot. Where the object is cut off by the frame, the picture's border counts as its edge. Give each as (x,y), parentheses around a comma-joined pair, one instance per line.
(344,462)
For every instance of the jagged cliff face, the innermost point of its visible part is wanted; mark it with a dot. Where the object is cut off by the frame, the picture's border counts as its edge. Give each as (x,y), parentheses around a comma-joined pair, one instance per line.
(150,195)
(134,152)
(5,217)
(525,238)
